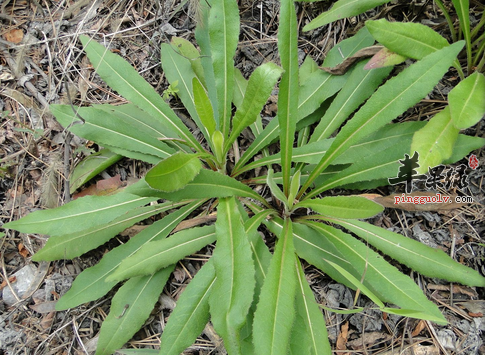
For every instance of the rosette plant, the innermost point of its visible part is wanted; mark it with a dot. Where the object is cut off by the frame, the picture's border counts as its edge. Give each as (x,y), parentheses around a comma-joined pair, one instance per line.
(252,290)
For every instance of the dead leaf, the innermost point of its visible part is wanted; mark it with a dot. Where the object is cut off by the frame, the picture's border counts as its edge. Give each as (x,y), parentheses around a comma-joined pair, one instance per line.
(102,187)
(44,307)
(371,338)
(22,250)
(414,350)
(384,58)
(419,328)
(11,279)
(417,201)
(47,321)
(342,337)
(14,36)
(342,68)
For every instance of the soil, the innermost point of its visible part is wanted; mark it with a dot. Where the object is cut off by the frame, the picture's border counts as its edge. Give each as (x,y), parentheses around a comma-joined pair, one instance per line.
(42,63)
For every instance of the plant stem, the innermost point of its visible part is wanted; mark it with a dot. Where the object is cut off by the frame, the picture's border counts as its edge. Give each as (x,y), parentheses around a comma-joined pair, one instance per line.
(448,19)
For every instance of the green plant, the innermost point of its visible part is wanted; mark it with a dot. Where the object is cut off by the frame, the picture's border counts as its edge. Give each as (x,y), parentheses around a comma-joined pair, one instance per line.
(258,301)
(474,38)
(401,41)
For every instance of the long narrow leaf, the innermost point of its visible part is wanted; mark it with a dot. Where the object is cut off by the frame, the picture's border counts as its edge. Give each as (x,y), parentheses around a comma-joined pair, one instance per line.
(426,260)
(288,94)
(359,86)
(123,78)
(191,314)
(90,284)
(259,88)
(72,217)
(224,35)
(462,8)
(313,95)
(275,313)
(312,317)
(156,255)
(111,129)
(342,9)
(233,290)
(130,308)
(71,245)
(208,184)
(390,100)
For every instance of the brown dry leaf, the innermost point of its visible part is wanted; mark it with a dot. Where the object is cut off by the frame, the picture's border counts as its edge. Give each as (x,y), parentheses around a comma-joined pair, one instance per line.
(419,328)
(14,36)
(44,307)
(11,279)
(342,68)
(47,321)
(342,337)
(194,222)
(22,250)
(414,350)
(102,187)
(444,202)
(132,231)
(367,339)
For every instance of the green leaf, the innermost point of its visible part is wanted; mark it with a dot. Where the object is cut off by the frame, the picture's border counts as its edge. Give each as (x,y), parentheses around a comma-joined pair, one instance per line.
(343,206)
(348,47)
(428,261)
(240,85)
(203,40)
(91,285)
(384,58)
(312,319)
(174,173)
(409,39)
(71,245)
(389,101)
(289,86)
(156,255)
(208,184)
(358,87)
(204,108)
(382,164)
(295,185)
(342,9)
(260,85)
(274,316)
(191,314)
(130,308)
(378,276)
(123,78)
(92,166)
(187,50)
(462,8)
(314,92)
(224,35)
(434,142)
(234,287)
(137,352)
(72,217)
(383,139)
(463,146)
(111,129)
(466,101)
(274,188)
(178,69)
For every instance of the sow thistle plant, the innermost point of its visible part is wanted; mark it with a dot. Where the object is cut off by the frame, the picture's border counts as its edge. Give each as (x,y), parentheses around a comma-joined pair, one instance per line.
(256,298)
